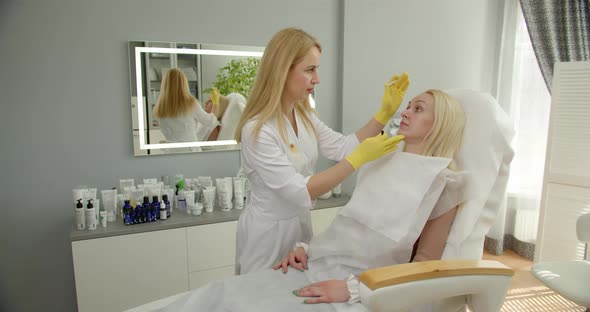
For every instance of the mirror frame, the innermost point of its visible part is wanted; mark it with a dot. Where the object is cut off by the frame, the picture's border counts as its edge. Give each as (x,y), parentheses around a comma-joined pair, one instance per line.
(142,52)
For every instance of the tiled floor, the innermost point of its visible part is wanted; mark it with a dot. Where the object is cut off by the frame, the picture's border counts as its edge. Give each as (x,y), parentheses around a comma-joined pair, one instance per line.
(526,293)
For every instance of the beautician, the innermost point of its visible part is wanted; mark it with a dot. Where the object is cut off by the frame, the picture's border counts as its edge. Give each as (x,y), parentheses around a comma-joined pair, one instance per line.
(280,135)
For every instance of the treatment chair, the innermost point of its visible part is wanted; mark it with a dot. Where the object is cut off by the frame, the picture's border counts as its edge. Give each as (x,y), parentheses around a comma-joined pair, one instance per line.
(461,275)
(461,279)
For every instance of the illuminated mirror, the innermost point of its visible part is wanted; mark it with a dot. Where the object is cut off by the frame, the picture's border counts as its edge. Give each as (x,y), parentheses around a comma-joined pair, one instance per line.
(229,68)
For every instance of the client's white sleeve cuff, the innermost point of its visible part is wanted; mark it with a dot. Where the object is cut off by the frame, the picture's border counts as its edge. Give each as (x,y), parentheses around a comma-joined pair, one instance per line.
(302,245)
(353,289)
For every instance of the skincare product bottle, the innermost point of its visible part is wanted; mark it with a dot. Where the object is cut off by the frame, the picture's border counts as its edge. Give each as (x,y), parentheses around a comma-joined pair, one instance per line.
(144,209)
(103,218)
(337,191)
(163,210)
(167,203)
(127,211)
(155,208)
(90,216)
(149,214)
(80,218)
(181,201)
(136,214)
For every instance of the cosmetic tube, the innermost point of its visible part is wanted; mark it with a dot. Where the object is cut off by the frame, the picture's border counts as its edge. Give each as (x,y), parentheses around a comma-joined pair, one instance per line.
(103,218)
(109,202)
(239,193)
(209,198)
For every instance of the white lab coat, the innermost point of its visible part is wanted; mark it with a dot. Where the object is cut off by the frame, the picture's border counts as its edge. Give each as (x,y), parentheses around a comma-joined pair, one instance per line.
(277,214)
(195,125)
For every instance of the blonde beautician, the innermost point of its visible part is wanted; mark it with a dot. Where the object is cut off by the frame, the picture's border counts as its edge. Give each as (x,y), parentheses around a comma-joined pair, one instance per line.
(281,137)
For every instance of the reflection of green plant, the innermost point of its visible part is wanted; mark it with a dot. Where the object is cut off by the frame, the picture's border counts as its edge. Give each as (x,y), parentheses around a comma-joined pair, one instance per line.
(237,76)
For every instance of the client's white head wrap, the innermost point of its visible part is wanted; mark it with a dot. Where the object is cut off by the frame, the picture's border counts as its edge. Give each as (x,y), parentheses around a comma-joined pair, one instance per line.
(231,116)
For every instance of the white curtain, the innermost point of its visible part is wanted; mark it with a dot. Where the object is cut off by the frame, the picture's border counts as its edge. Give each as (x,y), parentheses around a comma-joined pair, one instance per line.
(524,96)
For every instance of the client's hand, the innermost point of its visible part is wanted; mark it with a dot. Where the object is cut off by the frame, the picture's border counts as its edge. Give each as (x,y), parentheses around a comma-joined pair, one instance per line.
(326,291)
(373,148)
(296,259)
(394,93)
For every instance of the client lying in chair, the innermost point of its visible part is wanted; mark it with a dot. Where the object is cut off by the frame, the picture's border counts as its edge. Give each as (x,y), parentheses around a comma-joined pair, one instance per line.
(411,197)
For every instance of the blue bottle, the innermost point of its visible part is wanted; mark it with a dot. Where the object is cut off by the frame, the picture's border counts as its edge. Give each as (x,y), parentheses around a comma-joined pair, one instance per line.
(136,213)
(144,209)
(127,209)
(165,199)
(147,211)
(155,208)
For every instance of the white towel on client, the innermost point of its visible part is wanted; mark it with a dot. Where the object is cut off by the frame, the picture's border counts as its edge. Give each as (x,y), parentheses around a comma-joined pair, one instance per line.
(394,198)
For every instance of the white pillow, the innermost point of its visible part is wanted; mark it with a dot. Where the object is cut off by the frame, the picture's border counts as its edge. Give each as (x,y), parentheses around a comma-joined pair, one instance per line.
(485,155)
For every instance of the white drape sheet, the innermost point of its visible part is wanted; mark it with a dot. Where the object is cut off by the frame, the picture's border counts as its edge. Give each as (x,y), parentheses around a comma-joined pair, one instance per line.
(394,198)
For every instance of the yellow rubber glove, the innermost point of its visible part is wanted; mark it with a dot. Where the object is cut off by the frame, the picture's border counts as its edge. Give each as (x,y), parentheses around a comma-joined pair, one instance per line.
(373,148)
(215,96)
(394,93)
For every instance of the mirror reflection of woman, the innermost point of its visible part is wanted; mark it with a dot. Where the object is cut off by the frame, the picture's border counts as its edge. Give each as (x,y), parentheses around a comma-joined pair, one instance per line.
(231,107)
(182,119)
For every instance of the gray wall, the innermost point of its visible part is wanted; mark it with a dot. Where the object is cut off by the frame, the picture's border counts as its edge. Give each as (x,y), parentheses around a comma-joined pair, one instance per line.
(64,83)
(65,86)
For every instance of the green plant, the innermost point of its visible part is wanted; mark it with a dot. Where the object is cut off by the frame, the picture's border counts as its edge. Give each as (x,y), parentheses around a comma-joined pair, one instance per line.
(237,76)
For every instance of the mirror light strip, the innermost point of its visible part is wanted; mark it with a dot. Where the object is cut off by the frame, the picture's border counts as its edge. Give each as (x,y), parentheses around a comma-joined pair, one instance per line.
(140,100)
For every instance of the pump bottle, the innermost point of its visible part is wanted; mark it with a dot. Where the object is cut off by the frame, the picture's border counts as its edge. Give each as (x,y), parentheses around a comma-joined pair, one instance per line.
(80,218)
(90,216)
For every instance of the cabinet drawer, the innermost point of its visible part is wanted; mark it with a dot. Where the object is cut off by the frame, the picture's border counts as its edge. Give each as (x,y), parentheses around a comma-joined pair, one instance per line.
(201,278)
(121,272)
(211,246)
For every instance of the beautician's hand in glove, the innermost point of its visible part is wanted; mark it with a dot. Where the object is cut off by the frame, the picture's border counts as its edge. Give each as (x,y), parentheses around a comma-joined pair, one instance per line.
(325,291)
(212,105)
(394,93)
(215,96)
(297,259)
(373,148)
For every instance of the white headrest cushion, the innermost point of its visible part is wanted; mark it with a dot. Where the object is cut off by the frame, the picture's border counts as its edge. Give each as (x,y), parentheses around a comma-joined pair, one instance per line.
(484,153)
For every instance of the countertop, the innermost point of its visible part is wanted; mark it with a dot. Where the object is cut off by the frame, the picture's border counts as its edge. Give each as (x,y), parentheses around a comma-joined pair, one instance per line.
(180,219)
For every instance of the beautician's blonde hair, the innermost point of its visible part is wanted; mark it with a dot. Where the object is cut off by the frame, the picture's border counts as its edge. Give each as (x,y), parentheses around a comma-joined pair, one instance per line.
(285,49)
(446,134)
(175,98)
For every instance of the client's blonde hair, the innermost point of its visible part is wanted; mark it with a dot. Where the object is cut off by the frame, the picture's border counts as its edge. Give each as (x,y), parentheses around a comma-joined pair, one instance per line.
(446,135)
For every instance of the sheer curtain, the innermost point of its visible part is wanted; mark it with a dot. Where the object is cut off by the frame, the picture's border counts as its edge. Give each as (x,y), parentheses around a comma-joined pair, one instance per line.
(524,96)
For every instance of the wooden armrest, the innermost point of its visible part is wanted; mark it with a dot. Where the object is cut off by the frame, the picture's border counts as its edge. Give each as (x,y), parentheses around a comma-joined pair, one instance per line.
(409,272)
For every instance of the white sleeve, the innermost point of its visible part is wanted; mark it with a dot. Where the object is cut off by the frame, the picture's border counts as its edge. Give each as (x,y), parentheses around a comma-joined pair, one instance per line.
(265,156)
(353,288)
(303,245)
(333,145)
(206,122)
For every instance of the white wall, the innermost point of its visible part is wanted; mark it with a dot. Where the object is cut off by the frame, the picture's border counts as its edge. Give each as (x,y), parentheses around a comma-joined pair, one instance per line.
(441,44)
(64,88)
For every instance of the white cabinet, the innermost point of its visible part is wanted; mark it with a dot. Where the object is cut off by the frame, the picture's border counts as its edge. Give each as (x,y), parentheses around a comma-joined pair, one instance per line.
(121,272)
(211,252)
